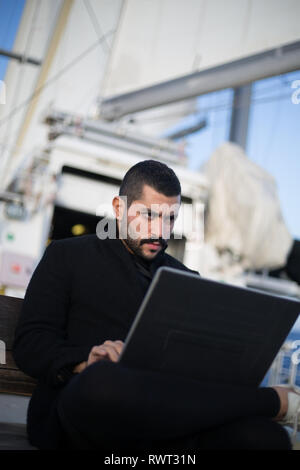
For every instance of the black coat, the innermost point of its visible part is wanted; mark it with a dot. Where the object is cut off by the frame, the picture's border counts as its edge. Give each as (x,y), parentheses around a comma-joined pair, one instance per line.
(84,291)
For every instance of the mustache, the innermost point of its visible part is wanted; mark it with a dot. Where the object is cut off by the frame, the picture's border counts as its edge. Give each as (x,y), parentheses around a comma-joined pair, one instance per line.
(160,240)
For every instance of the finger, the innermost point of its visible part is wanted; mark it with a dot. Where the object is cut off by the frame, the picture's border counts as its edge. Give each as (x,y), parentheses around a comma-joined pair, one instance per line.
(108,342)
(116,345)
(99,350)
(112,353)
(96,354)
(94,359)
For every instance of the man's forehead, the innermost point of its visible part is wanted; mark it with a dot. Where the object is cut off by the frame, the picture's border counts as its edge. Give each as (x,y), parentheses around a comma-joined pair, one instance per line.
(155,208)
(149,195)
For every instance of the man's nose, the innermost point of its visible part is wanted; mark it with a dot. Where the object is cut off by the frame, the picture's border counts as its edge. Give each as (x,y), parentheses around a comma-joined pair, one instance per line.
(156,227)
(159,229)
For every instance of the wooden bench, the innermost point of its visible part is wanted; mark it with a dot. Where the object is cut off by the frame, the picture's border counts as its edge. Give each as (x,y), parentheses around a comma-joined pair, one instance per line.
(12,380)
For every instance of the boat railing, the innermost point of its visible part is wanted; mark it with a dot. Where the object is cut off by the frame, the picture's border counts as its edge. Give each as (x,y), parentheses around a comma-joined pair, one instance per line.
(285,368)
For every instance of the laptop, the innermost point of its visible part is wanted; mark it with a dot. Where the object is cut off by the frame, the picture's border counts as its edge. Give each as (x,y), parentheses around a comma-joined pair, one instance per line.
(208,330)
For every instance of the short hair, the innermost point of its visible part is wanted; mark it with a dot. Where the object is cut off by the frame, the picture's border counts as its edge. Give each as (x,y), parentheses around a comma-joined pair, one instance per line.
(153,173)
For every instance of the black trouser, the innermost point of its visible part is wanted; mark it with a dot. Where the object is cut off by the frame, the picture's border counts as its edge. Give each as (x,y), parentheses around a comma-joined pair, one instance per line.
(111,407)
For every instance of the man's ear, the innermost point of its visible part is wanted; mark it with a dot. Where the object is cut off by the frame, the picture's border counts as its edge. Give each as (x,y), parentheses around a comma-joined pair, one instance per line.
(119,206)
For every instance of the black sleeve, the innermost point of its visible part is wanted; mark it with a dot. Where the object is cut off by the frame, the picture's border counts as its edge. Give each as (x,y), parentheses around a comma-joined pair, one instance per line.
(41,347)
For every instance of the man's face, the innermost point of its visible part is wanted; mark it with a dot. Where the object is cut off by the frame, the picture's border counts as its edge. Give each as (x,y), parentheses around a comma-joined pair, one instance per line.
(149,222)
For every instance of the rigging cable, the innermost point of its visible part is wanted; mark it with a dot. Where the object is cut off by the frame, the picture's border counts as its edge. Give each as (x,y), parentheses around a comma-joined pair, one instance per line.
(96,26)
(56,77)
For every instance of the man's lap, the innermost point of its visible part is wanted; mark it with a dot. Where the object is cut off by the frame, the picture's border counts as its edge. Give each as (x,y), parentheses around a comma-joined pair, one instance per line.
(100,406)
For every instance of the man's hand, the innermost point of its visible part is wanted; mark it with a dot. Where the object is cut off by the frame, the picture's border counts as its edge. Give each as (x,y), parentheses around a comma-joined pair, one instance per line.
(109,350)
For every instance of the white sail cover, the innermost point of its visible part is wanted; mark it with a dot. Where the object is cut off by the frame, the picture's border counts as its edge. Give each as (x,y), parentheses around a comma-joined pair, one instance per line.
(159,40)
(244,214)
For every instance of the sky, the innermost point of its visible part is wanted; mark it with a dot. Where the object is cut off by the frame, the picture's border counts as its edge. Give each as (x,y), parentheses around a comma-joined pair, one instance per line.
(273,136)
(10,15)
(274,141)
(274,124)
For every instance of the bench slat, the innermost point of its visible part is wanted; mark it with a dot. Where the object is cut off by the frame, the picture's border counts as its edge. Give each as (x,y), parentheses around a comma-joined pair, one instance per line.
(15,382)
(12,380)
(10,362)
(10,308)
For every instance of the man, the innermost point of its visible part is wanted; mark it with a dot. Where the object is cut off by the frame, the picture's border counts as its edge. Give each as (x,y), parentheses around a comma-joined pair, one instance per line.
(77,311)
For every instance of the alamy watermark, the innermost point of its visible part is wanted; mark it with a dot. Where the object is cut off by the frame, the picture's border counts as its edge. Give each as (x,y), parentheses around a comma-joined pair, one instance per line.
(2,92)
(296,94)
(157,220)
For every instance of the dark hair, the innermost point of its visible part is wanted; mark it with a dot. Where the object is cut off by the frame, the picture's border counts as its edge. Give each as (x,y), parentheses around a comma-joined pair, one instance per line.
(153,173)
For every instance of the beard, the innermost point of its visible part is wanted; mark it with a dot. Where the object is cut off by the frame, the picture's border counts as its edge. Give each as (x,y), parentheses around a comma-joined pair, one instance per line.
(136,245)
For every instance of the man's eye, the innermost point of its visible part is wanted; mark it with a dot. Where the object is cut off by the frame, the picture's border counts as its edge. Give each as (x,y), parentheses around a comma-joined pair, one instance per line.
(169,219)
(152,216)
